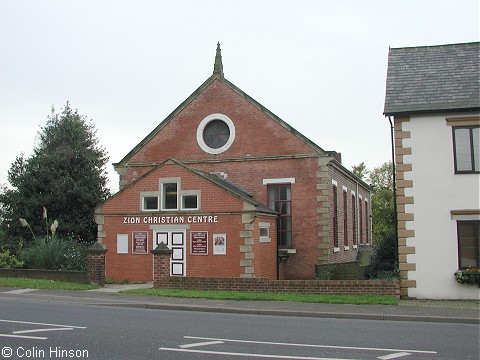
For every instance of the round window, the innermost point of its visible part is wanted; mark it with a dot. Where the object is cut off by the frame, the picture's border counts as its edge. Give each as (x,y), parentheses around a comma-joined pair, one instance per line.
(215,133)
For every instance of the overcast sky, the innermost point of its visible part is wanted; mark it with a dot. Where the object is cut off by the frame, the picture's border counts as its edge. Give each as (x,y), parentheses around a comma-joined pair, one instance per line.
(319,65)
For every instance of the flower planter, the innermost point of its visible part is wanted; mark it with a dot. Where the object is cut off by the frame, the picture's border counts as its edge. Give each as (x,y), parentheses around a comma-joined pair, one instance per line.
(470,276)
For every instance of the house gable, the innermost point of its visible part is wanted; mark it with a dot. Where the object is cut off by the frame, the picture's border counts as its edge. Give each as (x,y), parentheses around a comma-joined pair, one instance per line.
(189,180)
(258,132)
(433,78)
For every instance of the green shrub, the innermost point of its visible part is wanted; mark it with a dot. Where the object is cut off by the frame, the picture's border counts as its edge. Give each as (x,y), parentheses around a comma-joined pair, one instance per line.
(9,261)
(75,256)
(383,264)
(53,253)
(326,272)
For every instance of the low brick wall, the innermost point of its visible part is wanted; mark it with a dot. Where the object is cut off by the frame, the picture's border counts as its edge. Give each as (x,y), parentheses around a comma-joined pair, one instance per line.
(345,287)
(72,276)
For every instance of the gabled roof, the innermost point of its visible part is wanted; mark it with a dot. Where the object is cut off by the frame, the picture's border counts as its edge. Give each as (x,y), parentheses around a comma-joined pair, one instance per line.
(432,79)
(218,75)
(228,186)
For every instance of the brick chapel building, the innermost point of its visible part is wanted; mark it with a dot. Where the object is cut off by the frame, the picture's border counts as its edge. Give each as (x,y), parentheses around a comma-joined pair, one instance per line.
(234,191)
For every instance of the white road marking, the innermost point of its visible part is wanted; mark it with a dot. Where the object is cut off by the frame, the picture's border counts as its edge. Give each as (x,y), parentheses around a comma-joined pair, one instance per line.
(40,330)
(311,345)
(268,356)
(43,324)
(201,344)
(23,337)
(19,291)
(393,356)
(54,327)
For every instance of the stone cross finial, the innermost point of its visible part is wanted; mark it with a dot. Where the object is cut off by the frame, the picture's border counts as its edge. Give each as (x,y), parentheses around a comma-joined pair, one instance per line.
(218,67)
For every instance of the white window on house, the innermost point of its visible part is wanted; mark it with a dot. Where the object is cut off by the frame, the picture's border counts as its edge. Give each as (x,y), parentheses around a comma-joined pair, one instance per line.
(190,201)
(466,146)
(122,243)
(169,196)
(264,232)
(149,201)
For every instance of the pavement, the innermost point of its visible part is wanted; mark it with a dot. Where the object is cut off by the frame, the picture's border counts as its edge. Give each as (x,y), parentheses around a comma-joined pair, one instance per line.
(447,311)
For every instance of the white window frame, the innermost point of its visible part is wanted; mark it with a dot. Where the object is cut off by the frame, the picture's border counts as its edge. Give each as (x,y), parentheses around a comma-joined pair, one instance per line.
(189,193)
(279,181)
(201,128)
(163,182)
(147,194)
(264,239)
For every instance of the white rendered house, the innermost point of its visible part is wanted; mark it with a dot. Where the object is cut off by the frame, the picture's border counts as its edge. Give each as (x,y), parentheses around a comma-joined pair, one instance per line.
(433,97)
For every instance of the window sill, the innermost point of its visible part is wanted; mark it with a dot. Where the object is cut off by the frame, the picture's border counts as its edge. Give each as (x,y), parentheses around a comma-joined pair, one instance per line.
(288,251)
(336,249)
(345,248)
(283,254)
(355,246)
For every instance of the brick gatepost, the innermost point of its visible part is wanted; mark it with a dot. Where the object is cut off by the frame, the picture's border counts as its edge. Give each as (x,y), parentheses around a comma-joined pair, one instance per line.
(96,264)
(161,264)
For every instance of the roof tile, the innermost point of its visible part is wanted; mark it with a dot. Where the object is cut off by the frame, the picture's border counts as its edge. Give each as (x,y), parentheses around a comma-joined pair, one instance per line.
(433,78)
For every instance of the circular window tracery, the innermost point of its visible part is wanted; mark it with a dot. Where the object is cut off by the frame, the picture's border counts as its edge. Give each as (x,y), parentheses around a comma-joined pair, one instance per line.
(215,133)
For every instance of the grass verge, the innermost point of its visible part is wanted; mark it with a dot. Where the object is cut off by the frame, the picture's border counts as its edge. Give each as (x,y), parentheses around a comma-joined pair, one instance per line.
(232,295)
(44,284)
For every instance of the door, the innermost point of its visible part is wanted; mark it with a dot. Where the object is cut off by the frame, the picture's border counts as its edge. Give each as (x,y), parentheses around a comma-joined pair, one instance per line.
(175,240)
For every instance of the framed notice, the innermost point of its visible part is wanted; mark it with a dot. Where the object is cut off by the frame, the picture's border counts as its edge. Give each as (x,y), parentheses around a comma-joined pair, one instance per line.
(139,242)
(219,244)
(199,243)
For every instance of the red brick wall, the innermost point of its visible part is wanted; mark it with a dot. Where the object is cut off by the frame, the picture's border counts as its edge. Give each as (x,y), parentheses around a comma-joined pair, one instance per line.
(349,287)
(218,265)
(342,181)
(178,138)
(214,201)
(96,268)
(265,253)
(57,275)
(138,267)
(250,175)
(161,266)
(257,134)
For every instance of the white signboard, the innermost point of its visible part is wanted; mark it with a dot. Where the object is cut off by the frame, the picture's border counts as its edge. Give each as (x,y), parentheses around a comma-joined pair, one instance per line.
(219,244)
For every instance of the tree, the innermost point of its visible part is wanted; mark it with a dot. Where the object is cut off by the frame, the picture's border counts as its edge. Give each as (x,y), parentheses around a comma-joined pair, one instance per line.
(65,174)
(360,170)
(380,179)
(383,212)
